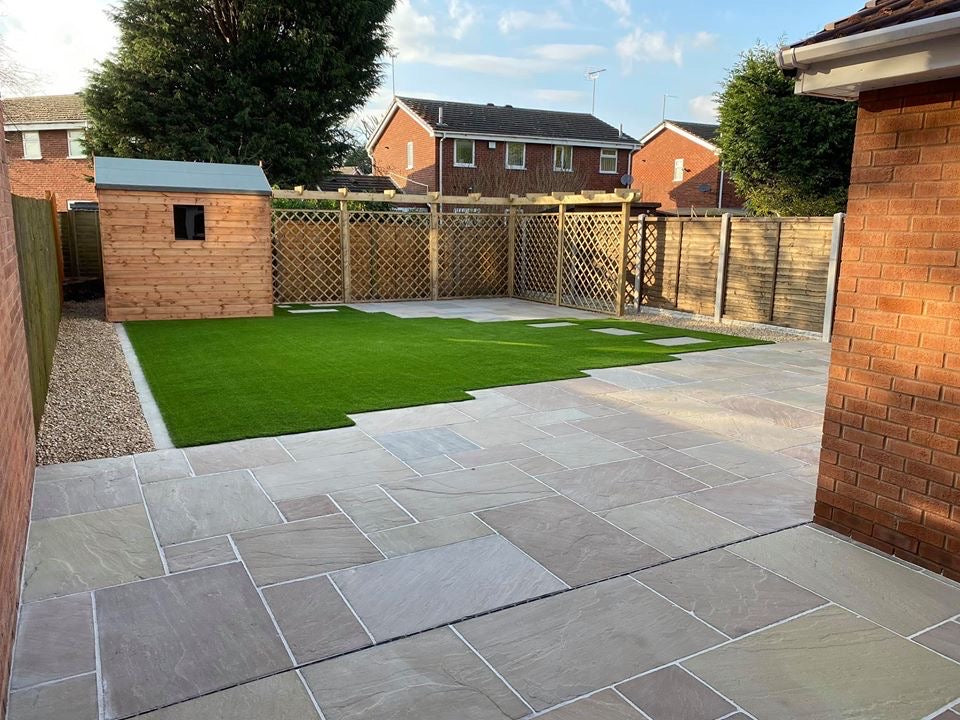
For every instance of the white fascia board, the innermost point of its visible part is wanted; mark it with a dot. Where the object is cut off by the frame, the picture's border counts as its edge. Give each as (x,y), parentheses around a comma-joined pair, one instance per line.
(31,127)
(906,54)
(382,127)
(537,140)
(667,125)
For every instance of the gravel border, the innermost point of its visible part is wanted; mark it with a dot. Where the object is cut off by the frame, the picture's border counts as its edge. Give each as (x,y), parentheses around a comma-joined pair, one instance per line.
(757,331)
(92,408)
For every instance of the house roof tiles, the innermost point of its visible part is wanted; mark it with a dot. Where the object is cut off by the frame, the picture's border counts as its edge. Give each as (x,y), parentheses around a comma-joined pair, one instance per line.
(878,14)
(509,121)
(44,109)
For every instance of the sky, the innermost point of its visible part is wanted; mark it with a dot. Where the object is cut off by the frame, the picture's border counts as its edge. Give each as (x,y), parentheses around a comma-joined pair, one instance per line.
(527,54)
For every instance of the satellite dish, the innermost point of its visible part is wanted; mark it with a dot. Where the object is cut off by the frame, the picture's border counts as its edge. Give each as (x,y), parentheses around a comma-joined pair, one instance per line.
(626,180)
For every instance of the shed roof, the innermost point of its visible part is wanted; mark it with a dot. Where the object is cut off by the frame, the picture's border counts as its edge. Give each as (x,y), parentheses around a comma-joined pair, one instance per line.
(175,176)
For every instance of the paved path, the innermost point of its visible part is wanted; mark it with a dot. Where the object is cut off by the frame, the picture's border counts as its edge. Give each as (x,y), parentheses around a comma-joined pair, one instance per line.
(629,545)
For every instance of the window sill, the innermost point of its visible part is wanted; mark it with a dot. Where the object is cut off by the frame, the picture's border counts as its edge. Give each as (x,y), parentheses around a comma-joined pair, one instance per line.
(76,157)
(608,172)
(464,165)
(514,167)
(556,169)
(29,158)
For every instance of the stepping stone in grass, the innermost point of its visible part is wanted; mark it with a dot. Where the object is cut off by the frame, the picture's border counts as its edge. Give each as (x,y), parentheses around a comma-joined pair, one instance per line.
(551,324)
(314,310)
(673,341)
(615,331)
(284,307)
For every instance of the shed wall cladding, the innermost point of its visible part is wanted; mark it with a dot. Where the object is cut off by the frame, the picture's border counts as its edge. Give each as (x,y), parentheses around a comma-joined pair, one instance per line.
(150,275)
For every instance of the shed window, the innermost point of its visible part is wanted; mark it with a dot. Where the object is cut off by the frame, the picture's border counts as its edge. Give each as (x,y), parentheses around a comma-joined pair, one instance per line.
(188,222)
(31,146)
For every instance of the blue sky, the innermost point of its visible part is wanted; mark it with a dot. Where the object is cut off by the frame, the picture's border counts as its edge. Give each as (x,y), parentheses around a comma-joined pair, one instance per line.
(527,53)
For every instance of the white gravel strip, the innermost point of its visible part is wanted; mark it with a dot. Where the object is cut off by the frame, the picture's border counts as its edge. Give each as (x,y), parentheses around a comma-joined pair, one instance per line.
(92,408)
(689,321)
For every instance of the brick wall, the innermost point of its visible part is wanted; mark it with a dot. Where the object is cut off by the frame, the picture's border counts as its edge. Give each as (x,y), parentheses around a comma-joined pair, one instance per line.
(491,176)
(890,468)
(16,429)
(67,177)
(652,171)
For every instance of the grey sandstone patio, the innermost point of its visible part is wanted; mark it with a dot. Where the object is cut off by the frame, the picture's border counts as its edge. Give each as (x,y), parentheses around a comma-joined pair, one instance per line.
(626,546)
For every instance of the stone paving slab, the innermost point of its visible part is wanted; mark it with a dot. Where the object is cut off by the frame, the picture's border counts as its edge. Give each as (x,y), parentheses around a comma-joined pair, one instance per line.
(72,699)
(945,639)
(55,641)
(70,496)
(761,504)
(434,675)
(173,638)
(208,459)
(198,554)
(82,552)
(317,476)
(674,694)
(604,705)
(572,543)
(441,585)
(304,548)
(830,664)
(610,631)
(430,534)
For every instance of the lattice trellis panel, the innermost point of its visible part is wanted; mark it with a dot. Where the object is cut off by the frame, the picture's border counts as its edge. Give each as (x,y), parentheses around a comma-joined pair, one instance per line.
(535,257)
(472,255)
(631,286)
(591,261)
(307,265)
(389,255)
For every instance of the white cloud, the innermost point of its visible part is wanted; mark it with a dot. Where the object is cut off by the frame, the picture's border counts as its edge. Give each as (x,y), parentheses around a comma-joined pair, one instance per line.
(566,53)
(503,65)
(410,31)
(515,20)
(703,39)
(564,98)
(641,46)
(463,15)
(57,41)
(621,9)
(703,108)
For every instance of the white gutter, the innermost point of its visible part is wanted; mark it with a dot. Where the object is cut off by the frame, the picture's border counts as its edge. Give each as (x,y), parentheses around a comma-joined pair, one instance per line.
(904,54)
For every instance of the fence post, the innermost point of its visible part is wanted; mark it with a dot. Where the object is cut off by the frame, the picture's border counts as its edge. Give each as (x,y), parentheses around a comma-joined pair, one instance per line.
(57,243)
(511,248)
(829,306)
(776,272)
(345,251)
(624,237)
(720,297)
(561,222)
(434,251)
(641,260)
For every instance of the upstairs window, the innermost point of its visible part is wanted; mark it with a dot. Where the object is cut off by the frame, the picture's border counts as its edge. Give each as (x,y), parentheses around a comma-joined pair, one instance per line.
(516,156)
(563,158)
(678,170)
(31,146)
(75,144)
(188,222)
(463,153)
(608,161)
(410,155)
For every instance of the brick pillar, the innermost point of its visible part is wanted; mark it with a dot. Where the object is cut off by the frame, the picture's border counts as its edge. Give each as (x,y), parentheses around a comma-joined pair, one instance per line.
(890,468)
(16,430)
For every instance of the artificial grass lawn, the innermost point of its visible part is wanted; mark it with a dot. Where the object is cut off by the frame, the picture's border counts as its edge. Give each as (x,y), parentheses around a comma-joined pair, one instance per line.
(218,380)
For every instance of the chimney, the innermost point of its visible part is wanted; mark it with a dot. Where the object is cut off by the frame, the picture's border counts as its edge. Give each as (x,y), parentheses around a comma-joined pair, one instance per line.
(621,129)
(440,115)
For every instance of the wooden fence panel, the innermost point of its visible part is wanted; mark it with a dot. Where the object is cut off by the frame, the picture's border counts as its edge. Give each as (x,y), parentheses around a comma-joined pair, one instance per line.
(80,238)
(40,290)
(307,262)
(389,256)
(698,266)
(535,257)
(802,273)
(591,261)
(751,269)
(472,255)
(661,262)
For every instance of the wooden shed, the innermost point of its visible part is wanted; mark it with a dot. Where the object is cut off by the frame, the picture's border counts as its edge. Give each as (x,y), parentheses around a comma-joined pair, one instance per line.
(184,240)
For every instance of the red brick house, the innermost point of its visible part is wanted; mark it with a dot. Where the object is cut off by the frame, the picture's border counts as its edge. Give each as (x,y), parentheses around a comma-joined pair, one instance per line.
(458,148)
(678,166)
(44,147)
(890,464)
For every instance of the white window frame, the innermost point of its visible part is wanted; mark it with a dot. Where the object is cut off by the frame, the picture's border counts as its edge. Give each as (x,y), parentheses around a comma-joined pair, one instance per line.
(410,155)
(506,156)
(72,137)
(34,136)
(605,154)
(564,149)
(473,153)
(678,170)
